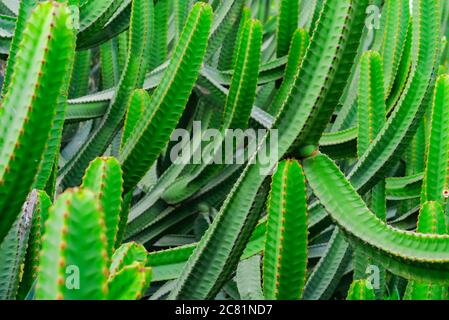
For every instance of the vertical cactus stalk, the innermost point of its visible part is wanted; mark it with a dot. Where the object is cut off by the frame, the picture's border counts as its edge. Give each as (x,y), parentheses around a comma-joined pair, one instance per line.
(287,24)
(79,84)
(74,254)
(29,105)
(436,175)
(109,65)
(298,46)
(431,220)
(285,255)
(169,99)
(25,9)
(99,140)
(371,118)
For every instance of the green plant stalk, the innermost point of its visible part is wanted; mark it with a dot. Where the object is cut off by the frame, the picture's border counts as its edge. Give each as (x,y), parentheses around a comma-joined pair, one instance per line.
(99,140)
(29,108)
(285,254)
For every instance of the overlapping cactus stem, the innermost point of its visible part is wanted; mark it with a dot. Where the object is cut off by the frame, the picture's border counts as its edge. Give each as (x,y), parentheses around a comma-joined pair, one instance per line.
(31,264)
(112,120)
(285,257)
(74,238)
(435,185)
(130,282)
(129,277)
(126,254)
(169,99)
(104,178)
(431,220)
(361,290)
(27,114)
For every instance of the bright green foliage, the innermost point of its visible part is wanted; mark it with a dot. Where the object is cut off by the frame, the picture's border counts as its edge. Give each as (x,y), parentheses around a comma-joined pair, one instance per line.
(233,220)
(287,24)
(431,220)
(14,247)
(285,254)
(159,40)
(372,110)
(108,72)
(75,221)
(361,290)
(129,276)
(79,85)
(129,283)
(298,46)
(40,208)
(126,255)
(28,109)
(139,102)
(119,112)
(389,245)
(436,175)
(395,18)
(104,178)
(239,103)
(106,130)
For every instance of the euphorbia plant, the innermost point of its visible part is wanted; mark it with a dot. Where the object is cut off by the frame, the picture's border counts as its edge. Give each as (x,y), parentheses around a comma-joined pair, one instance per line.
(341,108)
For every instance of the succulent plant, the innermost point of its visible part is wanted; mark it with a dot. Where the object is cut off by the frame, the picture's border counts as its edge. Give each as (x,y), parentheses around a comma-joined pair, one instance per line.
(184,149)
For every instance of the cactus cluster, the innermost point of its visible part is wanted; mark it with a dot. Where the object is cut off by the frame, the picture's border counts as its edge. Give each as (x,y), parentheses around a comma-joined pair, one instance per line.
(343,193)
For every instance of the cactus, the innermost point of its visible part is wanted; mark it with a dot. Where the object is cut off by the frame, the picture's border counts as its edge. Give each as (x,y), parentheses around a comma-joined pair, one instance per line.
(99,200)
(361,290)
(285,254)
(28,107)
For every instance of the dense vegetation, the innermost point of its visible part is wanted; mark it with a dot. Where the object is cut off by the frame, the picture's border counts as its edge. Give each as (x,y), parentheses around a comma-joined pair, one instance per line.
(98,202)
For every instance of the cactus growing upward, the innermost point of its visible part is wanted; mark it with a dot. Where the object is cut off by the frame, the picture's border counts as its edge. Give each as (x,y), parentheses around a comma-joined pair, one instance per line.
(138,140)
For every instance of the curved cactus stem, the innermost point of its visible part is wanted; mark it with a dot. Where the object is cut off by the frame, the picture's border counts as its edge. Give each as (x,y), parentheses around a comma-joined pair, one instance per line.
(404,120)
(326,275)
(79,85)
(395,14)
(431,220)
(28,108)
(403,253)
(435,185)
(371,118)
(126,255)
(300,42)
(236,113)
(108,65)
(371,100)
